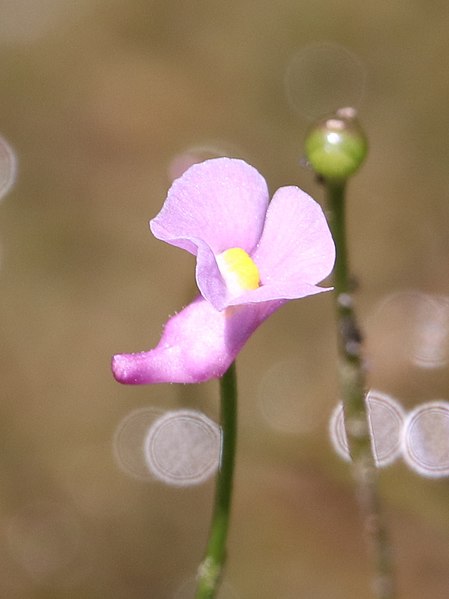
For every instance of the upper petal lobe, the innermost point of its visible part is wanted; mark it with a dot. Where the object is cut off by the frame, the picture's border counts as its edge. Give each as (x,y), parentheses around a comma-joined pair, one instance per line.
(221,202)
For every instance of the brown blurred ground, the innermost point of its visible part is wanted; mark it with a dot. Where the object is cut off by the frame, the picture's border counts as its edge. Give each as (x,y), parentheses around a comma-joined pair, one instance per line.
(97,104)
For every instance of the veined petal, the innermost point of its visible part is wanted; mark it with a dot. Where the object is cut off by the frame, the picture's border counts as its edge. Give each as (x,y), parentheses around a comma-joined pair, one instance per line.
(295,252)
(296,248)
(197,344)
(221,202)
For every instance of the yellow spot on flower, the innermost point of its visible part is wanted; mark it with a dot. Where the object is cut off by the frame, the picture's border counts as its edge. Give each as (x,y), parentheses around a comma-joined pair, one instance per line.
(238,270)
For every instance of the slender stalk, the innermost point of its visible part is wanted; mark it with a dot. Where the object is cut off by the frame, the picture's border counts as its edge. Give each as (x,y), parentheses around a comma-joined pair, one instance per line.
(352,382)
(211,568)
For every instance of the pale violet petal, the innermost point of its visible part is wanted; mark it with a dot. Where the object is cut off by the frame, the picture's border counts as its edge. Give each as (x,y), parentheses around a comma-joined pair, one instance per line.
(220,202)
(296,247)
(295,252)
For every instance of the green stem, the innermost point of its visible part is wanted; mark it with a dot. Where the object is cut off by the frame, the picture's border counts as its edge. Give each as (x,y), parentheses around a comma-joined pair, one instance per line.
(211,568)
(352,382)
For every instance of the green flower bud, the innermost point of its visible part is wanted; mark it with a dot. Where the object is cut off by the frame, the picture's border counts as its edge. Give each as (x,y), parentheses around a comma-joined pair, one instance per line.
(336,146)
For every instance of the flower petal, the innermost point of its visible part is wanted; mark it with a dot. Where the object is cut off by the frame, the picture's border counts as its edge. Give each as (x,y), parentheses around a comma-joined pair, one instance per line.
(211,284)
(295,252)
(277,290)
(197,344)
(296,249)
(221,202)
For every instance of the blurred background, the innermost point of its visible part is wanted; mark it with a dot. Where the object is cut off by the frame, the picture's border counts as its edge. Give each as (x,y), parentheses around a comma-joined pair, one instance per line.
(102,104)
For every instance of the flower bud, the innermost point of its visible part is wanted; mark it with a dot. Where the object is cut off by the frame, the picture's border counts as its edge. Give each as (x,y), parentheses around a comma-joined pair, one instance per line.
(336,146)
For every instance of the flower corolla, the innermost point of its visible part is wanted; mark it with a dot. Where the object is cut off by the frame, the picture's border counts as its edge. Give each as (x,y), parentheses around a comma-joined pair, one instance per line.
(252,255)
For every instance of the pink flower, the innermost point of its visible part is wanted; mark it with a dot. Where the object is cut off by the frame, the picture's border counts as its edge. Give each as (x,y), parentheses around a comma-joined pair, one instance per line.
(251,257)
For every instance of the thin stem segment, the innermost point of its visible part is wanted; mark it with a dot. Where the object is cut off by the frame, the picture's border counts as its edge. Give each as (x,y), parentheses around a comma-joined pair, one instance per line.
(352,382)
(211,568)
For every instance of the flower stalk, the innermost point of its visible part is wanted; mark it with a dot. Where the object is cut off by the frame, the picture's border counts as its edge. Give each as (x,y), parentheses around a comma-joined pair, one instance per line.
(336,147)
(211,568)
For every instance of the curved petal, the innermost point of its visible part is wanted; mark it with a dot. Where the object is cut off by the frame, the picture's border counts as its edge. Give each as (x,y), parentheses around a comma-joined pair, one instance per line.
(295,252)
(209,280)
(199,343)
(221,202)
(278,290)
(296,248)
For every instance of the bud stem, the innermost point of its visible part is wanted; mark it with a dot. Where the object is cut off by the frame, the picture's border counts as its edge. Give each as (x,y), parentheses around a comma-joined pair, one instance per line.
(352,383)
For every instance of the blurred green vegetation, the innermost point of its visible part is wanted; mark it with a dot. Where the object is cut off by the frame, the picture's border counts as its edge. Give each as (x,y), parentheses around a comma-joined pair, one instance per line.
(97,101)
